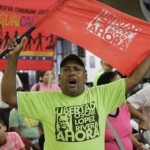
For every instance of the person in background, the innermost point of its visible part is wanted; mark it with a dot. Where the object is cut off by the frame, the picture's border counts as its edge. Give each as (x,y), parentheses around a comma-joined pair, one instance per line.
(5,108)
(120,120)
(105,68)
(141,101)
(46,82)
(87,108)
(9,140)
(25,127)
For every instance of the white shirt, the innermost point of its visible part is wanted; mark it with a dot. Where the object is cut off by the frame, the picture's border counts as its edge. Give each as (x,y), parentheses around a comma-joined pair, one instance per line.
(141,100)
(18,84)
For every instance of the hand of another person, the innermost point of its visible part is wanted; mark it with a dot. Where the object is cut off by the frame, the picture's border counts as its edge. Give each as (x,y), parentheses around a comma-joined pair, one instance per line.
(35,145)
(144,124)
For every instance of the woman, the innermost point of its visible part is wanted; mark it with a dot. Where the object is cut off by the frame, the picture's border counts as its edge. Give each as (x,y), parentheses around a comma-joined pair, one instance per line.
(47,82)
(120,120)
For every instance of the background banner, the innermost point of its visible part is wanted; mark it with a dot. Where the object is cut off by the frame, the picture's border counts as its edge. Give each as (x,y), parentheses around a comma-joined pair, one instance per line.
(16,17)
(120,39)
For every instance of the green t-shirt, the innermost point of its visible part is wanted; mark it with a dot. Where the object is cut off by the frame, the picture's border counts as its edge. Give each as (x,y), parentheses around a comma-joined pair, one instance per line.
(27,127)
(72,123)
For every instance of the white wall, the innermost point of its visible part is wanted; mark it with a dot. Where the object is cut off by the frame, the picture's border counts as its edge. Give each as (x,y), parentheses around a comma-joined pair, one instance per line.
(94,67)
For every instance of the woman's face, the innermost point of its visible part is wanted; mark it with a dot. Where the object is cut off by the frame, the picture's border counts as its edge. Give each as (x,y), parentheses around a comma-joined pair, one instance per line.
(48,76)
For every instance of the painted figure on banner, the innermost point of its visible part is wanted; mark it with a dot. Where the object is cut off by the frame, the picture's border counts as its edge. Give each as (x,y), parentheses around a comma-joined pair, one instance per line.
(6,38)
(30,41)
(51,41)
(39,41)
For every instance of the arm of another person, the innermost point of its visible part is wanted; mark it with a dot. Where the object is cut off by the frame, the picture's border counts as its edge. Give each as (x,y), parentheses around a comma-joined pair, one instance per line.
(137,75)
(144,123)
(9,93)
(135,142)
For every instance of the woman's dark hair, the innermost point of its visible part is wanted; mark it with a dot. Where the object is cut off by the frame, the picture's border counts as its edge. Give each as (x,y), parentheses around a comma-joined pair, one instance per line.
(40,74)
(2,122)
(106,77)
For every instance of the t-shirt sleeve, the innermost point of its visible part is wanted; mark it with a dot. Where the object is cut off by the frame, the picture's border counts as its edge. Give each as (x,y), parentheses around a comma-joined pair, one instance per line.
(15,141)
(55,87)
(13,118)
(113,95)
(141,98)
(33,104)
(18,140)
(33,88)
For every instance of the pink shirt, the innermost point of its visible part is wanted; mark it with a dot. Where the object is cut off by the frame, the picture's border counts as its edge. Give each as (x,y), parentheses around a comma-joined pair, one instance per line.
(121,124)
(14,142)
(43,87)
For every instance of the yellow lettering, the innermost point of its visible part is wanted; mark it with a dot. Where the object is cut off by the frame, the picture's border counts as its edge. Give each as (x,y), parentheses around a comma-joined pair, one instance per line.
(9,20)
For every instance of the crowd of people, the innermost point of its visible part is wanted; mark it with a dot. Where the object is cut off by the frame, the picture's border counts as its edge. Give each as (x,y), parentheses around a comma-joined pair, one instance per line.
(67,114)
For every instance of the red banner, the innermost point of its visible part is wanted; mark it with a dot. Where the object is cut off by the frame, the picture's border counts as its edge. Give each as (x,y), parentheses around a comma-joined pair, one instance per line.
(16,17)
(118,38)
